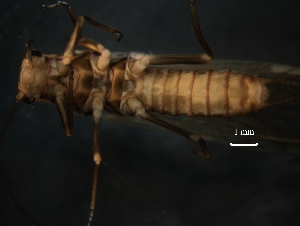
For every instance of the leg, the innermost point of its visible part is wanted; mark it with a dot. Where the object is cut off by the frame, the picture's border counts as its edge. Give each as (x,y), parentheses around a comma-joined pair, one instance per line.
(75,35)
(92,45)
(136,107)
(65,109)
(97,105)
(198,32)
(96,102)
(141,64)
(88,19)
(68,7)
(77,29)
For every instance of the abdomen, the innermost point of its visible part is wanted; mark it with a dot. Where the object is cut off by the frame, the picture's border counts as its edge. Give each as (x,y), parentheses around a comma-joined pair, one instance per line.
(210,93)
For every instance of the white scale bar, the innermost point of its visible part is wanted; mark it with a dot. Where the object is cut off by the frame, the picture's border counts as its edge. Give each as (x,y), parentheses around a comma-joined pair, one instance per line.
(244,145)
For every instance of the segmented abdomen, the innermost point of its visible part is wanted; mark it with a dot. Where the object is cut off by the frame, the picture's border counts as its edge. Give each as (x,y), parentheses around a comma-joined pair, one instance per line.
(210,93)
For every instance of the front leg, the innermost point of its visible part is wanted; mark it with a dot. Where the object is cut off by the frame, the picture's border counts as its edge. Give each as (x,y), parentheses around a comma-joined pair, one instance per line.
(76,33)
(78,23)
(65,107)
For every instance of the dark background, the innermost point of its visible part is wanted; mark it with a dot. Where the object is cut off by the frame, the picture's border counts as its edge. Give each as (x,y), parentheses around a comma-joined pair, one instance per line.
(147,177)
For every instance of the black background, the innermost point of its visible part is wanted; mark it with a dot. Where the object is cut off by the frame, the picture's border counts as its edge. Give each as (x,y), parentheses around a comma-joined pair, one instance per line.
(147,177)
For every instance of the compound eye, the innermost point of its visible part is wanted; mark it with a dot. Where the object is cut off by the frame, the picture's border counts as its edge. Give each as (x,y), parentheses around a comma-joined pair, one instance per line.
(27,100)
(35,52)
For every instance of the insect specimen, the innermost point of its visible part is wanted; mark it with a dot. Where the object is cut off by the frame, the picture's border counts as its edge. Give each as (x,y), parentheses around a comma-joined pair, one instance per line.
(247,128)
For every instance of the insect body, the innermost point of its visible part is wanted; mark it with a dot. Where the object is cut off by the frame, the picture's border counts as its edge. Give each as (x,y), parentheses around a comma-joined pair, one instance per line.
(91,81)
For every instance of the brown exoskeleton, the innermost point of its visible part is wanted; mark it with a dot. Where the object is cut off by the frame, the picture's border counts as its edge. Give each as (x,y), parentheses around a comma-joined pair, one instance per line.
(90,82)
